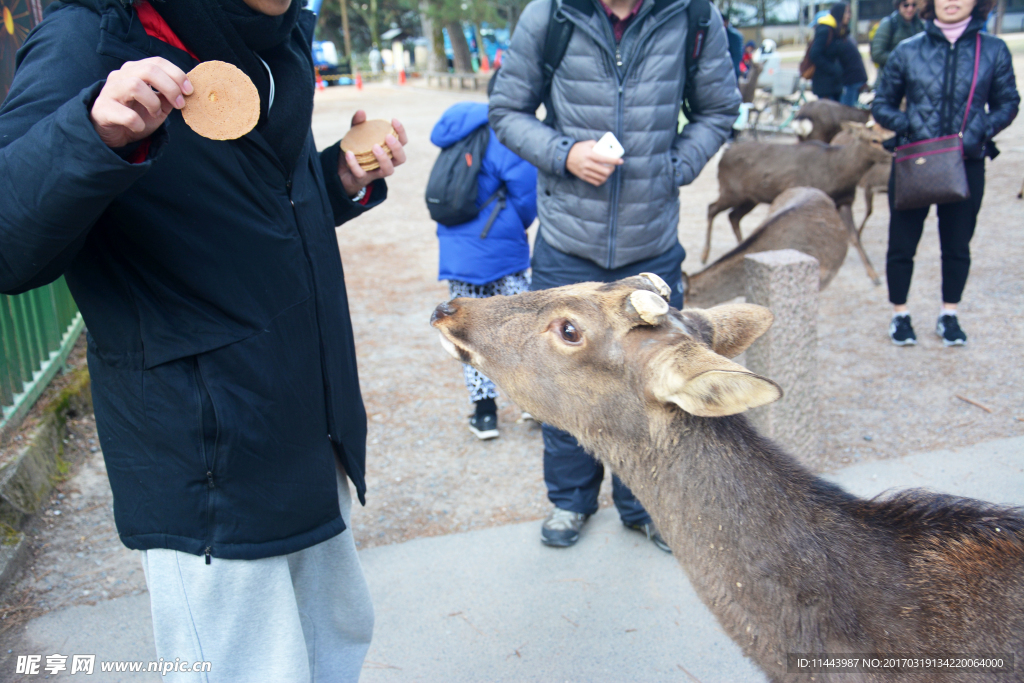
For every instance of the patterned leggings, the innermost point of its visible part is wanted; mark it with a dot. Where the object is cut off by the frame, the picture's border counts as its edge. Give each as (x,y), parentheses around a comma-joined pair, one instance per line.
(478,385)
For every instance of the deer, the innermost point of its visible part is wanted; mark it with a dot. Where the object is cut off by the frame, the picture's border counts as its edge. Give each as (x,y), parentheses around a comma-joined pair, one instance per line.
(800,218)
(750,173)
(875,180)
(822,120)
(748,84)
(786,561)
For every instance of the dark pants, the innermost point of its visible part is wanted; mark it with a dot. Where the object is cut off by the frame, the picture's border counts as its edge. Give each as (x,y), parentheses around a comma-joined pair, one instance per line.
(573,477)
(956,228)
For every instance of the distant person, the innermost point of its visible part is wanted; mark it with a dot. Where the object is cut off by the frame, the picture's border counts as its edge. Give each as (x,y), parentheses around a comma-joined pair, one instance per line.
(735,45)
(375,59)
(934,70)
(748,56)
(604,218)
(827,82)
(478,264)
(855,76)
(903,23)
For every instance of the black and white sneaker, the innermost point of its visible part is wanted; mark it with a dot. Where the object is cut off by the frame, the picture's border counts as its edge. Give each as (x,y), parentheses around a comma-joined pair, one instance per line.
(900,331)
(484,425)
(948,327)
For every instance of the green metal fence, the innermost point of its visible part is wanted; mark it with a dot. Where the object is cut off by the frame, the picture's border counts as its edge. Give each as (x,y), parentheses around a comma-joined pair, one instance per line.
(37,331)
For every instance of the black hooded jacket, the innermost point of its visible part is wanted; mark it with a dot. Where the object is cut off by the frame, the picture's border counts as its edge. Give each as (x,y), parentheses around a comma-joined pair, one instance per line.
(209,276)
(935,77)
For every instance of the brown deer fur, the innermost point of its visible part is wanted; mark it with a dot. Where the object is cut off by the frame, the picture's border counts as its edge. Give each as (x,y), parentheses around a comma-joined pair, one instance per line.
(750,173)
(800,218)
(875,180)
(826,118)
(748,84)
(787,562)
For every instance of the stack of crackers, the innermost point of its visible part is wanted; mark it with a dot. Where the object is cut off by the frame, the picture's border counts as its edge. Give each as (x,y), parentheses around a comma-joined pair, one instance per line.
(361,138)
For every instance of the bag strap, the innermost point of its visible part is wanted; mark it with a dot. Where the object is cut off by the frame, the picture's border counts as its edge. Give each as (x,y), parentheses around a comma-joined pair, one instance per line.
(556,41)
(974,82)
(698,21)
(500,194)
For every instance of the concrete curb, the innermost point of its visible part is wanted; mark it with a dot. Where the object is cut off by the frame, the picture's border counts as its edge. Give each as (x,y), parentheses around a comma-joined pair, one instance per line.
(26,481)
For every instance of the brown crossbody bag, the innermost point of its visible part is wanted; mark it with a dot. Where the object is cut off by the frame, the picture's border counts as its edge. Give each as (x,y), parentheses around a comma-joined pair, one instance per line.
(932,171)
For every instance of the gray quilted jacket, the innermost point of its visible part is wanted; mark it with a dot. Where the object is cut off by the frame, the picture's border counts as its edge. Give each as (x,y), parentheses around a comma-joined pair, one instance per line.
(633,89)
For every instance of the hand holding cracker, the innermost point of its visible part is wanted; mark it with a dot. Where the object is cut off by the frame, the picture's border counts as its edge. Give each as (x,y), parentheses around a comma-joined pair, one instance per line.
(136,100)
(378,160)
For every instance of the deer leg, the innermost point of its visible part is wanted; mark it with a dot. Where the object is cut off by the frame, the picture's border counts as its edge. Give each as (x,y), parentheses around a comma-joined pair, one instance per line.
(846,213)
(714,209)
(869,196)
(736,215)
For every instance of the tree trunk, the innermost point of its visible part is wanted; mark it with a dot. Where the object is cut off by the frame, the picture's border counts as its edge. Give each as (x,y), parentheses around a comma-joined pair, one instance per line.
(374,31)
(430,29)
(439,57)
(345,32)
(1000,12)
(460,48)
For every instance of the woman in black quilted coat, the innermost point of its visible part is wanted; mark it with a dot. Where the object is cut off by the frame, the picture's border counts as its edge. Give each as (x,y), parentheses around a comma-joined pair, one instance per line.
(933,70)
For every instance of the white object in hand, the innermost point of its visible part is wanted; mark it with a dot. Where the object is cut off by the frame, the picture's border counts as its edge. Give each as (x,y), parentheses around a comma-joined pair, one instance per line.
(608,146)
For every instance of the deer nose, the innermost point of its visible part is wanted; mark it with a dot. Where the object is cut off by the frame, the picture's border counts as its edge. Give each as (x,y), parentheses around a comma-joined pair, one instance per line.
(442,311)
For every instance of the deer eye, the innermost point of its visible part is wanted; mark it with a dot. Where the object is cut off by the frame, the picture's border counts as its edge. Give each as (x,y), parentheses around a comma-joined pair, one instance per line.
(568,332)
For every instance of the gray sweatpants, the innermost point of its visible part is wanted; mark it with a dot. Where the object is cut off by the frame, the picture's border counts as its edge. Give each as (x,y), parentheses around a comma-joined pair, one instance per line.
(303,618)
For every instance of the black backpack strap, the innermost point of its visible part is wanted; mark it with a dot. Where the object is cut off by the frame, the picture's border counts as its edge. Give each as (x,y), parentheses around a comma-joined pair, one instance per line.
(500,194)
(555,43)
(699,19)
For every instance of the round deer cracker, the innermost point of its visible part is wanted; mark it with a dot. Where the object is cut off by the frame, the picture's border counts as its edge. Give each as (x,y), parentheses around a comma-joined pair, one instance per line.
(361,138)
(224,104)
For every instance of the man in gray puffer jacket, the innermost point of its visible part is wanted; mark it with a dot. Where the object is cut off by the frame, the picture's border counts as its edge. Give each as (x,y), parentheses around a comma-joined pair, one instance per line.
(604,219)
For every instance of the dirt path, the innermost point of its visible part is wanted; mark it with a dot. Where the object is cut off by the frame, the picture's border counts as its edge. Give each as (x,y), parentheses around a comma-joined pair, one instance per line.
(429,476)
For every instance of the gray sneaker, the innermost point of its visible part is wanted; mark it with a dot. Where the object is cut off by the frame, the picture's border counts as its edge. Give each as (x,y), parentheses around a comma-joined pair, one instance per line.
(561,529)
(652,535)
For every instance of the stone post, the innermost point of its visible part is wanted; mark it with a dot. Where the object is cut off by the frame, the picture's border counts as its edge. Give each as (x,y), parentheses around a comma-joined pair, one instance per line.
(786,281)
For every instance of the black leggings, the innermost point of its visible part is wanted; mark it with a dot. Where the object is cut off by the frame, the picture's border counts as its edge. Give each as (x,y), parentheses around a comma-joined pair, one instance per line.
(956,228)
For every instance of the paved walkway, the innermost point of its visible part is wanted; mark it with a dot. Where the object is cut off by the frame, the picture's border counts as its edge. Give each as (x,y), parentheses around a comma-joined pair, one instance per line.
(496,605)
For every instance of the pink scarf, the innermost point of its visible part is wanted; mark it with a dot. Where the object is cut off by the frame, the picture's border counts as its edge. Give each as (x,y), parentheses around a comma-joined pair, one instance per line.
(953,31)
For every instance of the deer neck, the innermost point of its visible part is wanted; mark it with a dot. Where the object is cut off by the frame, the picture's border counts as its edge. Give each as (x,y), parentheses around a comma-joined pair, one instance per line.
(721,281)
(751,527)
(847,165)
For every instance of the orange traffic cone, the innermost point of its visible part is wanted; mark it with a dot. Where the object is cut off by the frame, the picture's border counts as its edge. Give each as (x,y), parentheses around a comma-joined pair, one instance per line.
(319,81)
(497,58)
(359,81)
(485,64)
(401,77)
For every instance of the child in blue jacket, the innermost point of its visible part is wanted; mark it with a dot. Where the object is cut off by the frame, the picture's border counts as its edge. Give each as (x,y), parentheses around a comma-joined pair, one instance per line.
(496,264)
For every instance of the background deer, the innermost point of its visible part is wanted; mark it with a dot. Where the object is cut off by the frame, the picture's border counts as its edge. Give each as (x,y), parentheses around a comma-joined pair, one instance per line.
(800,218)
(875,180)
(787,562)
(750,173)
(823,119)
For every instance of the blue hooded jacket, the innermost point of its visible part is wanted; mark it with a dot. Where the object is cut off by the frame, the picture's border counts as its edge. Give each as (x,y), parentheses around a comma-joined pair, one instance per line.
(505,250)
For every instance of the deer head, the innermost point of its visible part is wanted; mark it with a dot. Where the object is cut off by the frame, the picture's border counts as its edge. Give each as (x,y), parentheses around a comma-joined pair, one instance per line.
(612,354)
(853,133)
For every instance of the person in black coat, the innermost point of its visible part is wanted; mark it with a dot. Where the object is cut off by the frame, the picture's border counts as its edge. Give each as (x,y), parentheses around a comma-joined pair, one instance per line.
(219,341)
(827,81)
(934,71)
(854,74)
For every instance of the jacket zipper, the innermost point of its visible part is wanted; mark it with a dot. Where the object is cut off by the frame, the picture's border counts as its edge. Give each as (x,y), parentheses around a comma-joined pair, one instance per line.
(950,88)
(620,105)
(198,376)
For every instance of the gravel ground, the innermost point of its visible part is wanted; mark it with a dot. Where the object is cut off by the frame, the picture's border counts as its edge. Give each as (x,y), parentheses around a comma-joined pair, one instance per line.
(428,475)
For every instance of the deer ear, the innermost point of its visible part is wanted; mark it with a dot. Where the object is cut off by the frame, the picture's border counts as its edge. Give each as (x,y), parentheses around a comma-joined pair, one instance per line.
(733,327)
(704,384)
